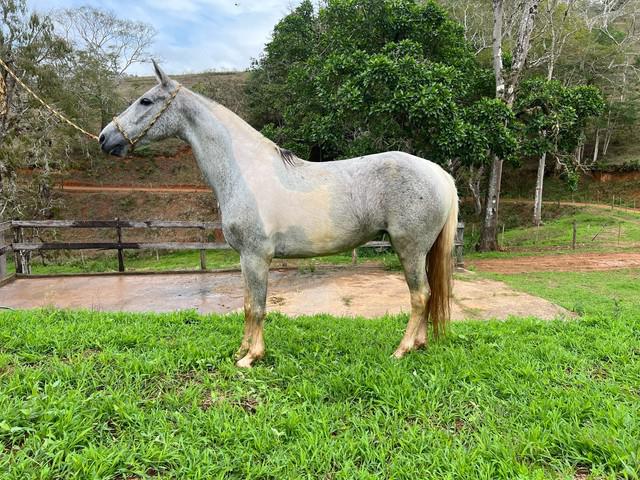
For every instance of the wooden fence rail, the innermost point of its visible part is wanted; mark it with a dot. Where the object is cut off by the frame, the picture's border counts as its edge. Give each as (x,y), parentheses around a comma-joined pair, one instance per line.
(22,249)
(111,224)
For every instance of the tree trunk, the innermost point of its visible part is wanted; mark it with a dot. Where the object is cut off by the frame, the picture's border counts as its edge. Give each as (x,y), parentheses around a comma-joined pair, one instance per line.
(607,139)
(489,235)
(579,154)
(537,202)
(505,89)
(596,147)
(475,180)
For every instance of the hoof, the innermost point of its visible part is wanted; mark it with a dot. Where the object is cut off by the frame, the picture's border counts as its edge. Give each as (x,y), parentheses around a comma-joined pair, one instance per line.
(399,353)
(420,343)
(249,358)
(245,362)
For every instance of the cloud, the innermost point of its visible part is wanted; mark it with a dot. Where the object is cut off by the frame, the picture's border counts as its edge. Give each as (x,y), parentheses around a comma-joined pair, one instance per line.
(197,35)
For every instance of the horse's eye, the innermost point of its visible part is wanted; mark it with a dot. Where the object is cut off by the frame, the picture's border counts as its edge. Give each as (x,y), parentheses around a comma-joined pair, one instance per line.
(145,101)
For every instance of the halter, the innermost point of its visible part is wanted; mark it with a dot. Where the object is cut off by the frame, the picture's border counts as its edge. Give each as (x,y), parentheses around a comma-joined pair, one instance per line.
(137,138)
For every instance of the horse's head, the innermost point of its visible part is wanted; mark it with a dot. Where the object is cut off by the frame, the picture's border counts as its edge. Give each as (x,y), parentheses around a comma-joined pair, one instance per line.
(151,117)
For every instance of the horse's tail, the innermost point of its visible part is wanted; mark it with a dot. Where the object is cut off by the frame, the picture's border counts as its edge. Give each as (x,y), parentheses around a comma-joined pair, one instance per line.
(440,268)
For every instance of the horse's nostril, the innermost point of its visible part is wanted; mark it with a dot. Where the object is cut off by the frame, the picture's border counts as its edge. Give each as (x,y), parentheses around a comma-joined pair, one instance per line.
(101,139)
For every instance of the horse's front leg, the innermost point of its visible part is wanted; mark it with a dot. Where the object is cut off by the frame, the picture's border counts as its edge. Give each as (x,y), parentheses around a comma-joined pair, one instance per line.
(255,270)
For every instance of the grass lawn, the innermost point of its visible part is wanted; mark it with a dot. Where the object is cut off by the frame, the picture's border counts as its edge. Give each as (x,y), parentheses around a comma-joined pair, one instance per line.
(598,230)
(135,261)
(603,293)
(595,229)
(124,396)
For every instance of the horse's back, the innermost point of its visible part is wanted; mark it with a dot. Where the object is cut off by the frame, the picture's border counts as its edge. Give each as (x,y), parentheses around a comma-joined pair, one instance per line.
(399,185)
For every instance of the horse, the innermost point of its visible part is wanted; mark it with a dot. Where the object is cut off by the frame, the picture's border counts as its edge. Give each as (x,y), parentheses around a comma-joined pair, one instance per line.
(276,205)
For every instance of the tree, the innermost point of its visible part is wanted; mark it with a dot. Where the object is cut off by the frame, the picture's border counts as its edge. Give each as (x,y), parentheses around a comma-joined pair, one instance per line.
(554,118)
(29,137)
(607,54)
(507,78)
(105,47)
(360,77)
(292,44)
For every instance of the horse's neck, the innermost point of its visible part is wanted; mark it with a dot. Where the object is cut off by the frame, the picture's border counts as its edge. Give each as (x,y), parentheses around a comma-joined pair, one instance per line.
(229,151)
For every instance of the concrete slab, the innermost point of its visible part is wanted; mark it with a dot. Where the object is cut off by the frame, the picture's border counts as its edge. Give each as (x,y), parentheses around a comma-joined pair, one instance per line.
(358,291)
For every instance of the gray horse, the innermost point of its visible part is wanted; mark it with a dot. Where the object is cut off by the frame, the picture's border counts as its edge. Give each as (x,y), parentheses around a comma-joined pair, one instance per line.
(275,205)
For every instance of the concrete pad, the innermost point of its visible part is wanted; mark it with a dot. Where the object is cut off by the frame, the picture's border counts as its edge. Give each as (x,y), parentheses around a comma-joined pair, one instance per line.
(358,291)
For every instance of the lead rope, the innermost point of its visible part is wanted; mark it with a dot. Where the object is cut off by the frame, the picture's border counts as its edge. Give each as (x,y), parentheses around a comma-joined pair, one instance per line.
(44,104)
(137,138)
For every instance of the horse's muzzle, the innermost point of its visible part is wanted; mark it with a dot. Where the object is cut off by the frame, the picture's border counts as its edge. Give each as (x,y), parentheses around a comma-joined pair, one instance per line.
(113,146)
(118,150)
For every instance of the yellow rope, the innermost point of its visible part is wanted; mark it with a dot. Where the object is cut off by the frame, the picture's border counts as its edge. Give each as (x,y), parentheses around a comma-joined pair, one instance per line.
(3,98)
(44,104)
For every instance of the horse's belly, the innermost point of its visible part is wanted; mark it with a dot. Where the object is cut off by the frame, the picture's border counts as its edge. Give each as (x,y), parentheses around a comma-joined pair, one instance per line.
(295,242)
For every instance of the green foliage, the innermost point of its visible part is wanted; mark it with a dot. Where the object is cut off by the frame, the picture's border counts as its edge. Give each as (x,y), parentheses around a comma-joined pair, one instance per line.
(554,117)
(360,77)
(29,137)
(627,166)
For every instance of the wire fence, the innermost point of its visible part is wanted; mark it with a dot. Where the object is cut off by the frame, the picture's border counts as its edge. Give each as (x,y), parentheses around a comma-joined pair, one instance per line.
(591,226)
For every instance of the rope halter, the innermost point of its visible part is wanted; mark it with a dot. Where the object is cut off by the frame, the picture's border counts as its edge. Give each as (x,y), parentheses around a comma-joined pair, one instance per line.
(137,138)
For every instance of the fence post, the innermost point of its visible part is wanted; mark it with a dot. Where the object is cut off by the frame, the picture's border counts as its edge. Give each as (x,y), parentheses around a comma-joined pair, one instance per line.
(354,256)
(3,259)
(203,253)
(619,229)
(17,233)
(21,258)
(459,245)
(575,231)
(120,252)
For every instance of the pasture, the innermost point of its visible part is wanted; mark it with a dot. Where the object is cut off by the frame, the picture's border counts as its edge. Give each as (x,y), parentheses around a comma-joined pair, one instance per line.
(128,396)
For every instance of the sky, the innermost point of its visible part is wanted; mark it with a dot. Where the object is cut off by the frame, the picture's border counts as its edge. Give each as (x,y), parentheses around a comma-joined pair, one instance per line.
(195,35)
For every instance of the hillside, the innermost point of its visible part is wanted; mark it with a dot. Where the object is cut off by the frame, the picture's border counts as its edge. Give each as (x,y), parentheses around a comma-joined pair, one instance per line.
(165,163)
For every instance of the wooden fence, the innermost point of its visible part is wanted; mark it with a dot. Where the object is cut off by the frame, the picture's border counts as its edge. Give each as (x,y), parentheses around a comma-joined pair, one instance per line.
(4,248)
(23,249)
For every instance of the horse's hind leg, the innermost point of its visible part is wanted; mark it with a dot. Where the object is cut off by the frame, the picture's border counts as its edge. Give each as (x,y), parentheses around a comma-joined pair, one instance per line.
(413,259)
(255,271)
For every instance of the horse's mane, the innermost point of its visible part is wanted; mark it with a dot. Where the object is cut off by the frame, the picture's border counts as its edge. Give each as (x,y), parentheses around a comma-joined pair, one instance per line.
(287,156)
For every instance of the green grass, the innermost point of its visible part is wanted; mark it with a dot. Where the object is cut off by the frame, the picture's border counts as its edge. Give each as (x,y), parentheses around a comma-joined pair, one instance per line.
(595,229)
(594,293)
(106,395)
(143,261)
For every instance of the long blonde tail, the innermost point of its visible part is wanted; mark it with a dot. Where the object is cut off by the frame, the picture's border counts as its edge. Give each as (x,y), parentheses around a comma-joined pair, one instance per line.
(440,269)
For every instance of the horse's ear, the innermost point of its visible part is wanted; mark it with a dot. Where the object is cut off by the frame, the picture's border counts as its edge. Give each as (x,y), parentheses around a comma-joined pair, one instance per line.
(162,77)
